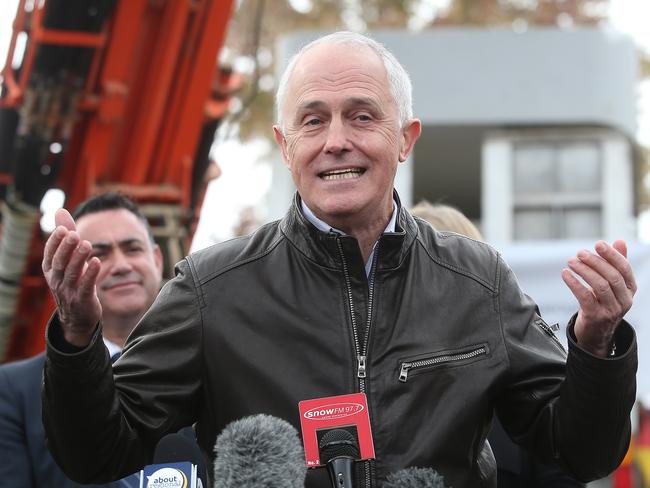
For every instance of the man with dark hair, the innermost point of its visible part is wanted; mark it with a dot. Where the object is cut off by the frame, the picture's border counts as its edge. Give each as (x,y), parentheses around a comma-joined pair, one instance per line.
(348,293)
(129,280)
(111,201)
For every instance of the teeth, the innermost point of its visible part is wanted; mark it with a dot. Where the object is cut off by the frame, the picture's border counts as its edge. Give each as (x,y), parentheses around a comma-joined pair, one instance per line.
(344,174)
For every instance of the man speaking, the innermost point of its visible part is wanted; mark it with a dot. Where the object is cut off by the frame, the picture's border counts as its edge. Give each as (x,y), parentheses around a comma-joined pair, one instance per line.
(347,293)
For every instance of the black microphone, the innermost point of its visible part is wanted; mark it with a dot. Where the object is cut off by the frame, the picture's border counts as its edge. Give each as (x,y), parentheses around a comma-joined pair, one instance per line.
(259,451)
(177,461)
(414,478)
(339,449)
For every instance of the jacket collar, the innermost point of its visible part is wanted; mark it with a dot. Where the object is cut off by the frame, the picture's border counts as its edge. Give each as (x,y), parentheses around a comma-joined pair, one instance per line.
(325,247)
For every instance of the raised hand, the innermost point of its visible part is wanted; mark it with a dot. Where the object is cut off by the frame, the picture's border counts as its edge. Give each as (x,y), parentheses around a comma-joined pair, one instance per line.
(606,297)
(71,277)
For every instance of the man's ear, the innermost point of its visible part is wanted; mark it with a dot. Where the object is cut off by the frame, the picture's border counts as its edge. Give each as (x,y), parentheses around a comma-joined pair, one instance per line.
(158,259)
(410,133)
(282,143)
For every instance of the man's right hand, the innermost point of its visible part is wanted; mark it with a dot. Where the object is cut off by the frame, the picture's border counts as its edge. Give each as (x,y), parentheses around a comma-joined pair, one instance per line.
(72,278)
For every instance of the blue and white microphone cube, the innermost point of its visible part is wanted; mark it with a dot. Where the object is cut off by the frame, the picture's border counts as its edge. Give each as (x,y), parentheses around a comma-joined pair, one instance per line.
(169,475)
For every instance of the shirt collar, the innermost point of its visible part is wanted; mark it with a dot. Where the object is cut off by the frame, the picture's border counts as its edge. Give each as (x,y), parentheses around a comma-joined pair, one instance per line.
(112,347)
(321,225)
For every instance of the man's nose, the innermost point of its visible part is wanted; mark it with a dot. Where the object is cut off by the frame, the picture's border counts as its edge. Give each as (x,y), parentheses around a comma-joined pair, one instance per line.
(338,137)
(120,263)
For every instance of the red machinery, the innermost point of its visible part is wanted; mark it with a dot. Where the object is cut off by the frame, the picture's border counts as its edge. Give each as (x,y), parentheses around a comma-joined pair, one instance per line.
(110,94)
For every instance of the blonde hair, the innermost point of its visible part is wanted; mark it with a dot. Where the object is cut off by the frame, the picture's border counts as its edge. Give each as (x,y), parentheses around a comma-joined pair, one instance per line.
(446,218)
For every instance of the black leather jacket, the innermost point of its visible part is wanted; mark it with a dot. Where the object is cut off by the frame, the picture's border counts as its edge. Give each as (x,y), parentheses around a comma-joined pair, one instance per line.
(258,323)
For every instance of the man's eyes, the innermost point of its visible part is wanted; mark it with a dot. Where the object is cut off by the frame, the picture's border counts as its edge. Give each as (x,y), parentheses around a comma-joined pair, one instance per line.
(363,117)
(103,254)
(357,117)
(99,254)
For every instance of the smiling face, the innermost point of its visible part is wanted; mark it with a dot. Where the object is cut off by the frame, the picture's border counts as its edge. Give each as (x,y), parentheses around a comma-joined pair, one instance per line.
(131,269)
(342,138)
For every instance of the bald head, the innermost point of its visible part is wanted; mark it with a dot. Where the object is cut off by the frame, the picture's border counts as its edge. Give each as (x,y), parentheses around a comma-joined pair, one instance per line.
(399,83)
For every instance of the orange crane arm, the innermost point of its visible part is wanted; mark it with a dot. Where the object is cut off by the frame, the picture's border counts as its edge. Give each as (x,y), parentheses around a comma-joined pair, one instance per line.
(111,94)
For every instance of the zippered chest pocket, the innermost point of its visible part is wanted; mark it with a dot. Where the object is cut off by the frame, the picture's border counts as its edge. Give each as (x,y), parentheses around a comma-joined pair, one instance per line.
(448,357)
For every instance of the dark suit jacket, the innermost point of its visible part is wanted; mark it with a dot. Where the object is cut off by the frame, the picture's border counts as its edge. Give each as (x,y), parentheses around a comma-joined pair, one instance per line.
(516,468)
(24,458)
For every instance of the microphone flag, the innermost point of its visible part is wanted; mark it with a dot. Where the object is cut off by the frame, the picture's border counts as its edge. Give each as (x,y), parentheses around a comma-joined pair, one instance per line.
(347,412)
(169,475)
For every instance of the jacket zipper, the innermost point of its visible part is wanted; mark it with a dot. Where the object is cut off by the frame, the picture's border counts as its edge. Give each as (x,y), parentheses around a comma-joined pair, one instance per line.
(361,360)
(361,348)
(361,373)
(545,327)
(406,367)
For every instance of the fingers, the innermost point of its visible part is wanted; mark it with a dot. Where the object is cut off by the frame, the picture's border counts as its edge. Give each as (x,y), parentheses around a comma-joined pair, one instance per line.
(62,217)
(64,224)
(593,271)
(51,246)
(65,263)
(616,256)
(61,258)
(89,279)
(604,297)
(609,277)
(621,247)
(583,294)
(75,265)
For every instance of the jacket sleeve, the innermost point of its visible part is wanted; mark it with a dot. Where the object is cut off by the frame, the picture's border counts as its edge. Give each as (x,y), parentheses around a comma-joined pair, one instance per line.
(15,470)
(103,422)
(575,411)
(552,474)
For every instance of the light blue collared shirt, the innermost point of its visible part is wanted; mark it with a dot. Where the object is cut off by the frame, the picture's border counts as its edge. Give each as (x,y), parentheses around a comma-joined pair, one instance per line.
(112,347)
(320,225)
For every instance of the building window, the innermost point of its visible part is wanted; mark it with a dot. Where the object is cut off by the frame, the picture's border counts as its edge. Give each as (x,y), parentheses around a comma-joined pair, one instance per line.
(557,190)
(557,183)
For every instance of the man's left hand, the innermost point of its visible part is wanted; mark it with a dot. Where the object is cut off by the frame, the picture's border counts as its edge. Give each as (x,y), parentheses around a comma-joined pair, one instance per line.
(607,296)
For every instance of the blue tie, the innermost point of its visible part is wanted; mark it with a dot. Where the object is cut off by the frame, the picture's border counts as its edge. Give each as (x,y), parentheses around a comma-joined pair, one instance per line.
(116,356)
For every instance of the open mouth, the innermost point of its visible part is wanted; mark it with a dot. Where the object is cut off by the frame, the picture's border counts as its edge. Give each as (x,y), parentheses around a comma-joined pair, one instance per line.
(342,174)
